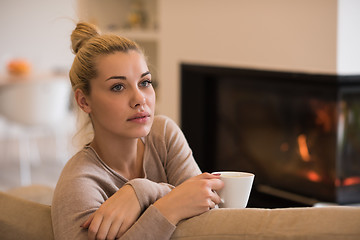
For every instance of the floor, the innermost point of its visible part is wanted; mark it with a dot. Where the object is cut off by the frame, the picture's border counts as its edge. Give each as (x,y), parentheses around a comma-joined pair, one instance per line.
(43,150)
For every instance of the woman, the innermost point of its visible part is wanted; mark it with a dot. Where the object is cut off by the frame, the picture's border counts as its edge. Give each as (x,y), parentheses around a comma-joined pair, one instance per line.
(137,178)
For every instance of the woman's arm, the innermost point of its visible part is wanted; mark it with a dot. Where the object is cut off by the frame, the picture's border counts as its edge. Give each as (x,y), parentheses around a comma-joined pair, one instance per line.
(148,192)
(115,216)
(179,165)
(191,198)
(77,200)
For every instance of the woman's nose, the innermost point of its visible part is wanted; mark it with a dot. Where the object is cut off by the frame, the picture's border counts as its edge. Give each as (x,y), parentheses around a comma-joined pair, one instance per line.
(138,99)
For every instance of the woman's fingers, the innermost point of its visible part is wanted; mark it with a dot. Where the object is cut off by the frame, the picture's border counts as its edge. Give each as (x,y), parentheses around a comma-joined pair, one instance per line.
(104,228)
(94,226)
(123,228)
(86,224)
(115,229)
(206,175)
(216,184)
(120,211)
(211,204)
(215,198)
(108,228)
(213,184)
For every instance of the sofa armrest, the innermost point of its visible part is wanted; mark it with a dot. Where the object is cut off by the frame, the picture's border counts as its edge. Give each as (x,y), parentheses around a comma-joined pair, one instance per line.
(23,219)
(328,223)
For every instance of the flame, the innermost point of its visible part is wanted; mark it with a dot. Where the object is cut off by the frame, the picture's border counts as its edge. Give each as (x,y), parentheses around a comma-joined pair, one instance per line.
(323,118)
(303,148)
(349,181)
(325,115)
(313,176)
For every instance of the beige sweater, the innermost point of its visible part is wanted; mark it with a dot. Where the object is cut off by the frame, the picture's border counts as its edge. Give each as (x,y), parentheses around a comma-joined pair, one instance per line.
(86,182)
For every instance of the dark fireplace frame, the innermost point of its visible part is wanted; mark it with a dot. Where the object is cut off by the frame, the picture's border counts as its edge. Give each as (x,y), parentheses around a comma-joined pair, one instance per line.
(199,84)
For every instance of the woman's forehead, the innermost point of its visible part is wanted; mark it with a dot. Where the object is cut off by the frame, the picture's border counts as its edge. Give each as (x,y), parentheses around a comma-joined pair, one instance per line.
(121,63)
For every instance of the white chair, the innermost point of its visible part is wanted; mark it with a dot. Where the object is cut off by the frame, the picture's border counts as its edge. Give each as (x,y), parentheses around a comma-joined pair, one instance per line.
(35,108)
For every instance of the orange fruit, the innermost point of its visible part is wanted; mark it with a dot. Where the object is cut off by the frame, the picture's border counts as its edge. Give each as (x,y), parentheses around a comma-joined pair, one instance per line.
(19,67)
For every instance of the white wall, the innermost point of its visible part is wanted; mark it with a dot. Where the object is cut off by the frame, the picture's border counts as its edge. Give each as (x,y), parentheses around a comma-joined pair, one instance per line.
(285,35)
(38,30)
(320,36)
(348,42)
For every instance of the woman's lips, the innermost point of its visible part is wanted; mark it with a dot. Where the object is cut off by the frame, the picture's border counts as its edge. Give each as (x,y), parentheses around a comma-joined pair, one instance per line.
(140,118)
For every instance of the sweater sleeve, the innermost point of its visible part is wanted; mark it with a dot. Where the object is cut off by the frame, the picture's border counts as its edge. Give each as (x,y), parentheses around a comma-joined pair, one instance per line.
(148,191)
(151,225)
(179,162)
(84,186)
(74,203)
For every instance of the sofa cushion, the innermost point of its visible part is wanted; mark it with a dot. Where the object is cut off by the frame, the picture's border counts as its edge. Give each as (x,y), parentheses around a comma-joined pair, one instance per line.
(36,193)
(330,223)
(23,219)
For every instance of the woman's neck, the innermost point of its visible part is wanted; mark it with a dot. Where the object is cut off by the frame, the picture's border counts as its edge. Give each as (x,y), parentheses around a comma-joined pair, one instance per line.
(124,156)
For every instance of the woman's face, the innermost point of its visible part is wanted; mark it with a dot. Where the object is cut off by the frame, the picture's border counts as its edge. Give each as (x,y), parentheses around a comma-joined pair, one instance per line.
(122,98)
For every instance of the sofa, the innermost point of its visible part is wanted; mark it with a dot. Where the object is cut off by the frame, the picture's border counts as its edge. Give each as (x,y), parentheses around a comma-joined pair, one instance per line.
(25,214)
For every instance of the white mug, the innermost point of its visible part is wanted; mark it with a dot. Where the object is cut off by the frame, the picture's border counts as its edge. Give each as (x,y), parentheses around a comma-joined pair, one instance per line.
(236,190)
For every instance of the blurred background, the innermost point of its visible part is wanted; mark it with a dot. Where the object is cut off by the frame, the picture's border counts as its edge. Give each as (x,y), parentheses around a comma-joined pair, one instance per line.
(37,121)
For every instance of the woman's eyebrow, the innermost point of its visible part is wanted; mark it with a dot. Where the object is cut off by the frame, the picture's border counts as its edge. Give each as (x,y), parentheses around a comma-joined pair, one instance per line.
(144,74)
(116,77)
(124,78)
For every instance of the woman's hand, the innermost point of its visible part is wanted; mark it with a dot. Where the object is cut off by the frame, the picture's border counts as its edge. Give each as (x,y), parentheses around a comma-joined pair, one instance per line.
(193,197)
(115,216)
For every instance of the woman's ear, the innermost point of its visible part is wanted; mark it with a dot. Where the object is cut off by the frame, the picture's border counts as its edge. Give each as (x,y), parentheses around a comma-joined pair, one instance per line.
(82,101)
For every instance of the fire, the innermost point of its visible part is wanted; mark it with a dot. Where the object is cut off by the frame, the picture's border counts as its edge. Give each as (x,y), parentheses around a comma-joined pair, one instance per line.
(325,115)
(324,118)
(313,176)
(303,148)
(349,181)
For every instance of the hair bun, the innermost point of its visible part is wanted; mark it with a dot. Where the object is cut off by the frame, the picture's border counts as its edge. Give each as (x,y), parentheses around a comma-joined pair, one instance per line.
(81,34)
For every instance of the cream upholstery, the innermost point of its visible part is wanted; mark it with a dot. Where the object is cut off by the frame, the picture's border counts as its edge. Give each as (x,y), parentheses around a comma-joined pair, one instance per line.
(330,223)
(24,219)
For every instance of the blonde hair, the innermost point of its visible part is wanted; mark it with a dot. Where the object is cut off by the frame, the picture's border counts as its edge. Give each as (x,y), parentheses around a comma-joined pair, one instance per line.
(87,45)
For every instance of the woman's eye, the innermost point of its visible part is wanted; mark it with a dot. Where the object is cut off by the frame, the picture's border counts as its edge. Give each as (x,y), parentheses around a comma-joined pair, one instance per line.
(117,88)
(146,83)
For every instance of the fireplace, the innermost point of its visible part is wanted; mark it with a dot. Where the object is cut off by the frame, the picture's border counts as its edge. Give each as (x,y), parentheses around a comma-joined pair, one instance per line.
(299,133)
